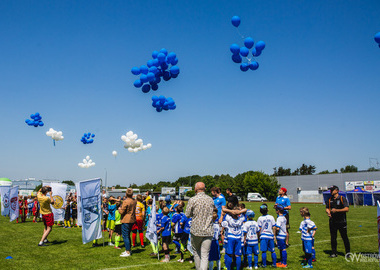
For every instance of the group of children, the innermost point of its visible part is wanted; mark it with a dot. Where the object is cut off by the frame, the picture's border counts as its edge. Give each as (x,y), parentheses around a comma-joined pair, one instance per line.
(71,212)
(242,236)
(28,206)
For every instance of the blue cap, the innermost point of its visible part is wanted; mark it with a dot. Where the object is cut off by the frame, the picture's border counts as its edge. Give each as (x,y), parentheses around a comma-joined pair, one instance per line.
(167,199)
(264,207)
(280,207)
(250,214)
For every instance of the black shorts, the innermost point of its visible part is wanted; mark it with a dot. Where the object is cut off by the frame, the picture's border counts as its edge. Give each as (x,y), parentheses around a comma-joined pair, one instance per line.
(184,239)
(118,229)
(287,222)
(166,239)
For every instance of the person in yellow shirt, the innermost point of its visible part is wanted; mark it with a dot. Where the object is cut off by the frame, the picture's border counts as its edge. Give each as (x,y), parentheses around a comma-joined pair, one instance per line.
(148,197)
(45,210)
(139,225)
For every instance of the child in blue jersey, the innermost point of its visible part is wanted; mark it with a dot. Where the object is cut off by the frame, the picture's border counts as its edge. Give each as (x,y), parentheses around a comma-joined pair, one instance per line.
(281,236)
(308,230)
(186,224)
(250,231)
(214,254)
(111,218)
(159,216)
(177,229)
(234,225)
(165,229)
(267,235)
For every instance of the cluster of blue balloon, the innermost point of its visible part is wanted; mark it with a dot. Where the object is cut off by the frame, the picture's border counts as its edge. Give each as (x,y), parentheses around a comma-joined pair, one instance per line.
(239,52)
(87,138)
(36,120)
(163,65)
(377,38)
(163,103)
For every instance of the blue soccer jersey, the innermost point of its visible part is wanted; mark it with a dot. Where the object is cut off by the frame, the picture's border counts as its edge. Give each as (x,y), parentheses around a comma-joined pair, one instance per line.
(307,227)
(266,224)
(284,201)
(281,224)
(177,217)
(251,228)
(219,202)
(166,224)
(186,224)
(158,220)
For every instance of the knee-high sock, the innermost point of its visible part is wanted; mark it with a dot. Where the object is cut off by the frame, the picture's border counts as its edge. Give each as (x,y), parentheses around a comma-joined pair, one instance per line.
(313,252)
(264,258)
(227,261)
(309,258)
(154,247)
(134,239)
(117,240)
(64,222)
(284,256)
(68,223)
(210,265)
(249,260)
(141,238)
(238,262)
(274,258)
(256,258)
(177,244)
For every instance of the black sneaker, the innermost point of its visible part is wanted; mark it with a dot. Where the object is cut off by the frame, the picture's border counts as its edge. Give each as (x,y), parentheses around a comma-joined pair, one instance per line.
(333,255)
(46,241)
(94,245)
(41,245)
(142,246)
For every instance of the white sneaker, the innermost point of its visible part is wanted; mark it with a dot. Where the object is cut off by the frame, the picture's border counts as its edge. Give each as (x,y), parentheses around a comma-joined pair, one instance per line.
(111,244)
(125,254)
(180,260)
(256,267)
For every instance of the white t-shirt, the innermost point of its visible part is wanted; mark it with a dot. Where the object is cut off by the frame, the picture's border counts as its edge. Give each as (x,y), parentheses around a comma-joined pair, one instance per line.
(266,224)
(251,228)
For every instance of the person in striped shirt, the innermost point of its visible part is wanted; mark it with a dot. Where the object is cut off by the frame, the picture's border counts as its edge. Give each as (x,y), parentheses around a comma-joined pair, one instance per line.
(267,235)
(308,229)
(251,242)
(281,235)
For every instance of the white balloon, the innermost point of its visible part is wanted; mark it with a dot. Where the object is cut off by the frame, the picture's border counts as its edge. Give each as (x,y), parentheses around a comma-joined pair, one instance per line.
(144,147)
(88,157)
(84,160)
(149,145)
(135,150)
(130,149)
(114,153)
(129,133)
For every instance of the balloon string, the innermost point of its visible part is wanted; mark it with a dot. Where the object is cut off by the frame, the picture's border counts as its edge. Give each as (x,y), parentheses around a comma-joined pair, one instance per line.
(242,36)
(53,142)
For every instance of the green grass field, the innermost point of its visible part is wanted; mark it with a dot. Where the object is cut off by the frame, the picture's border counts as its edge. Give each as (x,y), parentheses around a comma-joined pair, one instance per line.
(67,251)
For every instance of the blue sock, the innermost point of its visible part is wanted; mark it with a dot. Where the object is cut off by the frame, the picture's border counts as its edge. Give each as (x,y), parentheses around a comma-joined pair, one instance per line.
(256,258)
(264,258)
(177,244)
(284,256)
(249,260)
(238,262)
(309,258)
(227,261)
(274,258)
(313,252)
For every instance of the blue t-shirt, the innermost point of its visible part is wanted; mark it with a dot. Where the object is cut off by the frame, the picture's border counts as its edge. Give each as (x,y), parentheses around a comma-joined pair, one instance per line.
(166,224)
(187,224)
(177,217)
(158,220)
(111,211)
(219,202)
(284,201)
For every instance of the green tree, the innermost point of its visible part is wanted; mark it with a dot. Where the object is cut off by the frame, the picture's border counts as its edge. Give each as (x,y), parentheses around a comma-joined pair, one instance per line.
(37,188)
(69,182)
(306,170)
(281,171)
(262,183)
(348,169)
(373,169)
(324,172)
(190,193)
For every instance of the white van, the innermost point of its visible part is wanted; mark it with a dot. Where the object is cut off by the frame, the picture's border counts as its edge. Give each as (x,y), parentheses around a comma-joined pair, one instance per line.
(255,197)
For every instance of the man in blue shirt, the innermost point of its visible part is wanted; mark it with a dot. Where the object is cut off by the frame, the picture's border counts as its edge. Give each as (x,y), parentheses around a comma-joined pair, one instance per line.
(284,201)
(219,200)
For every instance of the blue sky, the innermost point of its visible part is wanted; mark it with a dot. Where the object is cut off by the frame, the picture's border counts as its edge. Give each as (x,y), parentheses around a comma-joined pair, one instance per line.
(314,99)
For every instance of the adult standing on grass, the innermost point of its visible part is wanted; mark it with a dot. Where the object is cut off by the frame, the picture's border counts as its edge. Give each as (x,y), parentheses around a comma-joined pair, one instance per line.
(45,210)
(336,209)
(219,199)
(200,209)
(128,218)
(284,201)
(232,198)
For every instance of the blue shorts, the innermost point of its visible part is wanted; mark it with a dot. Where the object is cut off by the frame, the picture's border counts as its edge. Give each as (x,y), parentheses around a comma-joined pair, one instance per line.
(214,254)
(234,247)
(267,245)
(253,249)
(307,246)
(281,244)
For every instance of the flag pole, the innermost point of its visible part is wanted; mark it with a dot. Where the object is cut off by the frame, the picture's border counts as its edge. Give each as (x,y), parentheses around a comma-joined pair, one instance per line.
(101,210)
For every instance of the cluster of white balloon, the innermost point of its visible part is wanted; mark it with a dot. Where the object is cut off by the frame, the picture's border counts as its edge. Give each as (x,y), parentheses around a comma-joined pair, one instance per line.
(87,163)
(133,144)
(55,135)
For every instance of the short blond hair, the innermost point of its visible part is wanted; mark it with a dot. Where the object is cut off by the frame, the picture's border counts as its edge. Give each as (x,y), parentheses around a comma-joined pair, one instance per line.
(305,212)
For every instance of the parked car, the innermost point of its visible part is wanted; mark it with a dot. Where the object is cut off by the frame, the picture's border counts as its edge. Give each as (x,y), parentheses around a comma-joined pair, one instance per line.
(255,197)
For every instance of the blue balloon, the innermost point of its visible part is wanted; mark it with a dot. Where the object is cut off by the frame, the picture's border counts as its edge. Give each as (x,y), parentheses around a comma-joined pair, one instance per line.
(235,21)
(173,107)
(158,109)
(260,45)
(244,51)
(146,88)
(149,63)
(164,51)
(144,78)
(138,83)
(35,124)
(166,76)
(236,58)
(244,67)
(171,56)
(175,61)
(253,51)
(154,87)
(156,63)
(144,69)
(154,54)
(150,76)
(32,116)
(37,114)
(155,98)
(174,70)
(158,79)
(248,42)
(174,76)
(91,141)
(164,66)
(257,53)
(377,38)
(136,71)
(170,102)
(93,135)
(235,49)
(162,99)
(254,65)
(153,69)
(161,57)
(41,124)
(27,121)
